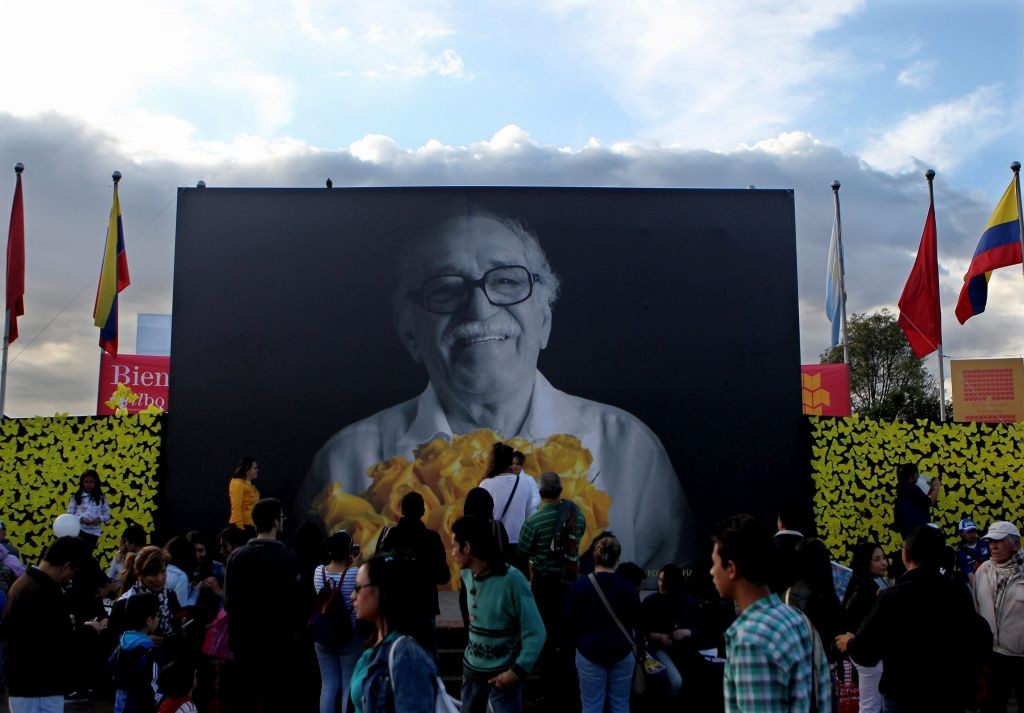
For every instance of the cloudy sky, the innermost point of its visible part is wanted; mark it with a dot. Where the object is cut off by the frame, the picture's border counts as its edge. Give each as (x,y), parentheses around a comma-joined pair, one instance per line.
(688,93)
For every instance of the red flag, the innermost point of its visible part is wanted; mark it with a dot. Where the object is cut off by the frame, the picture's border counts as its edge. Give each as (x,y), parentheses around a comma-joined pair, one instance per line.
(920,315)
(16,262)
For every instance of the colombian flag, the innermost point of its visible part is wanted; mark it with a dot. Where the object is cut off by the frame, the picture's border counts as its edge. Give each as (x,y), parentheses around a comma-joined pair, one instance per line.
(113,279)
(999,246)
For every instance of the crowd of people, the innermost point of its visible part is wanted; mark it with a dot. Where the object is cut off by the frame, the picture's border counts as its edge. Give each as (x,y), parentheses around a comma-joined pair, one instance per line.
(247,623)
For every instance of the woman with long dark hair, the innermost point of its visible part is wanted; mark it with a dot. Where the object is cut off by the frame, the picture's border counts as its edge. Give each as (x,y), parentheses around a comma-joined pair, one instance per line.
(670,621)
(395,673)
(515,495)
(870,567)
(243,494)
(90,505)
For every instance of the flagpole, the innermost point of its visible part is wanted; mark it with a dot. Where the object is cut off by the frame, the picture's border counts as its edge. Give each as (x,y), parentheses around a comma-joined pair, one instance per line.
(1015,167)
(842,271)
(930,175)
(18,169)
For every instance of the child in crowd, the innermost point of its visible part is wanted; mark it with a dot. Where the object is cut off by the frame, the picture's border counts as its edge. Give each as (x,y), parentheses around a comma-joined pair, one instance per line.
(90,504)
(134,660)
(133,539)
(177,681)
(973,551)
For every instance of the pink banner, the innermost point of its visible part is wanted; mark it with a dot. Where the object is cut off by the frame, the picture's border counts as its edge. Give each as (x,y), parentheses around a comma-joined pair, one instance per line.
(132,382)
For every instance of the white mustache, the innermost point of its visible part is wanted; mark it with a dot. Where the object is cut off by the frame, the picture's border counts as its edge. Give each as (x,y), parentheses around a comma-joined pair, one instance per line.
(469,332)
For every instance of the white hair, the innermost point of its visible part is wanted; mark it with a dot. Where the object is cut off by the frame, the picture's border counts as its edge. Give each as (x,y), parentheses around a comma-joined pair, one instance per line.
(536,259)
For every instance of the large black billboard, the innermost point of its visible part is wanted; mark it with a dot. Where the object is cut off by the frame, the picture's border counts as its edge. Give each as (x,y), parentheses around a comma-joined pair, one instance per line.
(643,343)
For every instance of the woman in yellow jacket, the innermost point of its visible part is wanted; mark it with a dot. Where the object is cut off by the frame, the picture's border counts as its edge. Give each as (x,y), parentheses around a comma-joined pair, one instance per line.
(243,494)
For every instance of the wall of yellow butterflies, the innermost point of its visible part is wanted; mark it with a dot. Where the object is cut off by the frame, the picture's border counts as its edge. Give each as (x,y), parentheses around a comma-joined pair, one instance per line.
(853,463)
(42,458)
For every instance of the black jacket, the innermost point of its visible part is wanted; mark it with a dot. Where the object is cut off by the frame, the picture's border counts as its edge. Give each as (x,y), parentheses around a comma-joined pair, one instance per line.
(38,637)
(266,603)
(784,572)
(413,539)
(860,598)
(922,629)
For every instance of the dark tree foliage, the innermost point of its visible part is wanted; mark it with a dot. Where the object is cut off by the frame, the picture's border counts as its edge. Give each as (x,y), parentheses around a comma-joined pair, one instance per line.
(887,382)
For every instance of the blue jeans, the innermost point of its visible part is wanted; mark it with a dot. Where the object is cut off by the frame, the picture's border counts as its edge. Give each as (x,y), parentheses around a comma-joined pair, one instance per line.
(336,666)
(482,697)
(598,683)
(45,704)
(672,675)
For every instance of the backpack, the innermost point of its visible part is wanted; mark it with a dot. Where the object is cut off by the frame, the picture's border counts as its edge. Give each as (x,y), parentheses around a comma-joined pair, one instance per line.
(563,541)
(133,678)
(330,623)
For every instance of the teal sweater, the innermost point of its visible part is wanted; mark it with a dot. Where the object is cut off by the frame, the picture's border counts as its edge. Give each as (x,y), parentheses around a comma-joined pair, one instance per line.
(505,629)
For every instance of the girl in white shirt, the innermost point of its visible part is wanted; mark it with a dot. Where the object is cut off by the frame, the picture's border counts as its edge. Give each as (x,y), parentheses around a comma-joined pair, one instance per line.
(91,506)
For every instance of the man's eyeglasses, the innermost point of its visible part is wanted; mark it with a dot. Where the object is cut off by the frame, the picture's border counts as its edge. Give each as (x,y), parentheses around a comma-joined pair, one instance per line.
(502,286)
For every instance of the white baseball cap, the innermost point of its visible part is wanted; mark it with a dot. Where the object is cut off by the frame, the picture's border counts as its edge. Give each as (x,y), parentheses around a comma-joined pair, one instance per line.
(999,530)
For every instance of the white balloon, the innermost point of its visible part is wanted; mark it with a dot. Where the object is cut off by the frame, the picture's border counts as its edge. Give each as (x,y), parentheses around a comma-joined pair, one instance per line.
(67,525)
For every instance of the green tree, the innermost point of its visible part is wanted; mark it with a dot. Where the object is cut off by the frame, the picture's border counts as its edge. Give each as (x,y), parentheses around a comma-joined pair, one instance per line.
(887,382)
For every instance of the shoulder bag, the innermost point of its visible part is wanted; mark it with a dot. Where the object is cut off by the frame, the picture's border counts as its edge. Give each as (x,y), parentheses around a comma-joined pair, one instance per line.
(645,665)
(443,703)
(509,502)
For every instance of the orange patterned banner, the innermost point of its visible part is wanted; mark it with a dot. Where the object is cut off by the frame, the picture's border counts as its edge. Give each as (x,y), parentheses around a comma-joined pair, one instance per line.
(825,389)
(989,390)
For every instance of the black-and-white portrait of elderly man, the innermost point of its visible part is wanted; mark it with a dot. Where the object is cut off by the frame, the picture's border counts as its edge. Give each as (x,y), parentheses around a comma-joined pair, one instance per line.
(473,304)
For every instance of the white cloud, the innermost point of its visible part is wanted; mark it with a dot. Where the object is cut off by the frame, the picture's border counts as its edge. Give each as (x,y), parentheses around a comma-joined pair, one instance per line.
(786,143)
(918,75)
(711,74)
(447,64)
(941,135)
(384,40)
(375,148)
(509,138)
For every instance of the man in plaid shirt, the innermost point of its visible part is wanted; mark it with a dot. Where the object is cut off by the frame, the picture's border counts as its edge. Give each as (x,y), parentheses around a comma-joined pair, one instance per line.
(770,647)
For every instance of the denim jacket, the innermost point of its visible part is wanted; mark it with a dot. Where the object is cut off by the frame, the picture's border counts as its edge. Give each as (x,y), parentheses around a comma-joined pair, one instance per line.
(409,688)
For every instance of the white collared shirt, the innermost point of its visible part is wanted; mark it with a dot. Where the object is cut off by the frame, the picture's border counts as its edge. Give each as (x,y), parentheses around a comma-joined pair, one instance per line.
(649,512)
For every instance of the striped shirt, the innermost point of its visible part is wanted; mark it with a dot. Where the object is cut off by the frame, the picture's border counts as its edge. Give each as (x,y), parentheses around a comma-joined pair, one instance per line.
(770,662)
(347,586)
(535,538)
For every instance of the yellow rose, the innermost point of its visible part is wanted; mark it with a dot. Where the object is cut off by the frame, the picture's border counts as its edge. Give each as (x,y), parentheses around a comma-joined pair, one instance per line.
(365,530)
(388,476)
(440,519)
(579,489)
(334,505)
(474,448)
(455,487)
(435,460)
(563,454)
(386,473)
(392,509)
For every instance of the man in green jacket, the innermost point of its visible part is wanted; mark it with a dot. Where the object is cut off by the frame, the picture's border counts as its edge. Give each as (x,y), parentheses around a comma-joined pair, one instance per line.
(506,633)
(550,540)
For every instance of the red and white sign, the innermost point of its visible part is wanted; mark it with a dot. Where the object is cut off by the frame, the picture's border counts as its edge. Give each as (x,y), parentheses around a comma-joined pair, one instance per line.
(146,377)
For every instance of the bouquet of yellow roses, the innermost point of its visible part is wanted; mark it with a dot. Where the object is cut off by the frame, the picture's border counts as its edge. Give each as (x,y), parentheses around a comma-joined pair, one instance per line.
(443,473)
